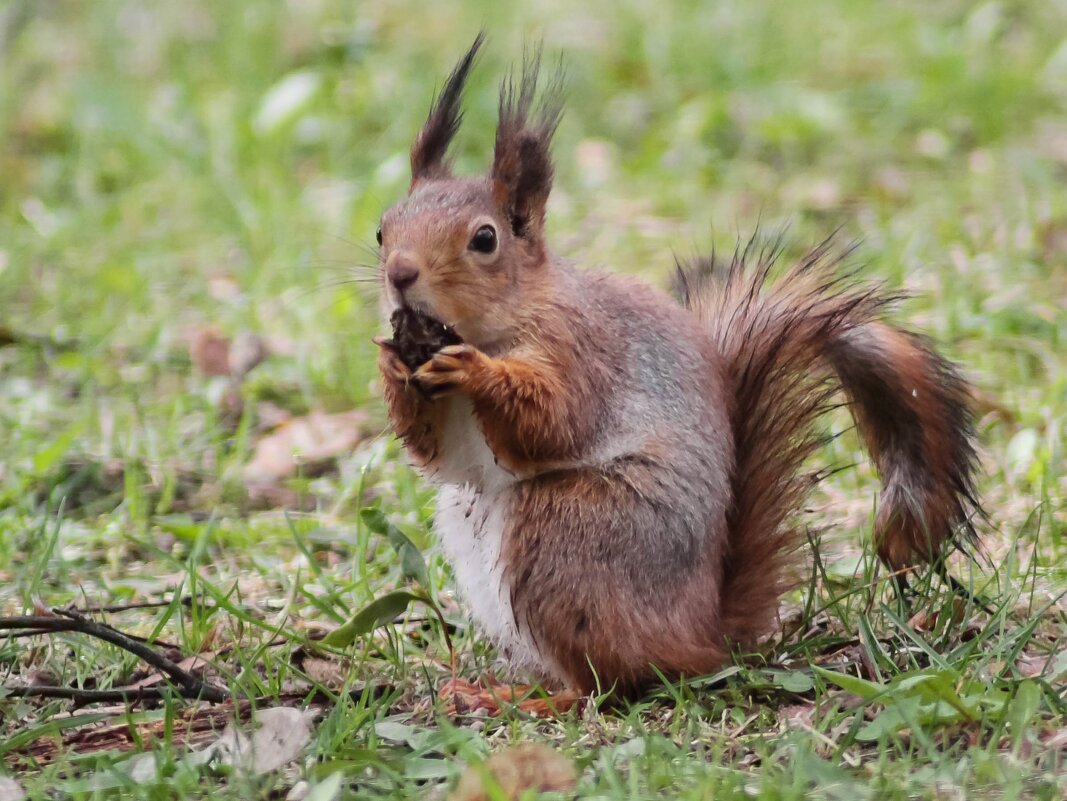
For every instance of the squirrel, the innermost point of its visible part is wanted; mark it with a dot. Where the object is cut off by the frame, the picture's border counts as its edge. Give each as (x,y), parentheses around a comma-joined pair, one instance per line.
(619,473)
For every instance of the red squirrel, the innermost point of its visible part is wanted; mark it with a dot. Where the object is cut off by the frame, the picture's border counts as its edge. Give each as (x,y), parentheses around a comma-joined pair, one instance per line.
(619,474)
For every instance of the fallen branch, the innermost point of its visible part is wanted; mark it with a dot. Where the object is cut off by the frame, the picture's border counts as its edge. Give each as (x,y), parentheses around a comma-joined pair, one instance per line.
(186,685)
(185,600)
(65,620)
(114,695)
(15,635)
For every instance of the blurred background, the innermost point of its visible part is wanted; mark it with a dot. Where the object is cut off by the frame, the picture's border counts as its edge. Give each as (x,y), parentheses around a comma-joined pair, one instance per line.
(189,193)
(178,177)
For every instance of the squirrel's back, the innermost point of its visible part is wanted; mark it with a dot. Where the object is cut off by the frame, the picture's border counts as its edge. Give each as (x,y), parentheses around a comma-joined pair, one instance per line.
(653,368)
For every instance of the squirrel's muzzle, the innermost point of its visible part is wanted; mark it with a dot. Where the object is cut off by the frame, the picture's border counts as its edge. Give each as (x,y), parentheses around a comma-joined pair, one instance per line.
(401,270)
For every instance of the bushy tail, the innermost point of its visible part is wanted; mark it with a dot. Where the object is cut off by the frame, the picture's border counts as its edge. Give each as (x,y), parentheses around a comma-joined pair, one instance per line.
(789,347)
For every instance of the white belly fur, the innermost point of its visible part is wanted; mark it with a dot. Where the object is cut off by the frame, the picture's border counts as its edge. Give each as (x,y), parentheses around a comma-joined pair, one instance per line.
(469,527)
(474,493)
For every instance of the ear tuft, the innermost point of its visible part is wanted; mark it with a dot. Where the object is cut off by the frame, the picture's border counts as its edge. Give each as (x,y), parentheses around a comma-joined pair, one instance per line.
(522,164)
(431,146)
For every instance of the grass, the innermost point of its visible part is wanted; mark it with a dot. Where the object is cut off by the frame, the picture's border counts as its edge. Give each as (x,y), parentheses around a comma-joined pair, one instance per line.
(174,168)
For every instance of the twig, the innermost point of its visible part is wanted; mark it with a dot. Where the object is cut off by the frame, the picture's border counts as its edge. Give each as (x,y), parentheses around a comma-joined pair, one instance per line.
(114,695)
(135,694)
(67,620)
(185,600)
(14,635)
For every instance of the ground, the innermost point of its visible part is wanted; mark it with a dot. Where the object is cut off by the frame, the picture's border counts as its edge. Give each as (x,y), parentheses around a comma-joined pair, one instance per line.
(189,198)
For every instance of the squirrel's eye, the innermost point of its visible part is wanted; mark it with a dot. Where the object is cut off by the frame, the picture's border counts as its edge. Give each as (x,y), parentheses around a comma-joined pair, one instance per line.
(378,235)
(484,240)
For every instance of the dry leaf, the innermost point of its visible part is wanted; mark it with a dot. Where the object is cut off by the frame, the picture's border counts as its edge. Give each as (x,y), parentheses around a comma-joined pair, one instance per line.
(596,161)
(923,620)
(210,351)
(271,415)
(1055,741)
(327,790)
(327,672)
(279,737)
(794,715)
(246,351)
(10,790)
(214,354)
(928,619)
(818,192)
(1032,666)
(531,766)
(310,440)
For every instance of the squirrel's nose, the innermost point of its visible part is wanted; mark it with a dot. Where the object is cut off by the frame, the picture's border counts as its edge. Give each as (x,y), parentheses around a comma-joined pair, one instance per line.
(402,272)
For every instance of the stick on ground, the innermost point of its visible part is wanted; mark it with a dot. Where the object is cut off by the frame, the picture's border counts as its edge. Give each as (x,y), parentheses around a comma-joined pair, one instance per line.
(64,620)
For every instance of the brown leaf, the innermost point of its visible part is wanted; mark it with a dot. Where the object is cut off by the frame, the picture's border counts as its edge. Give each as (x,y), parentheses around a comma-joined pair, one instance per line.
(817,192)
(214,354)
(246,351)
(309,441)
(1055,740)
(793,715)
(272,496)
(327,672)
(923,620)
(223,287)
(531,766)
(1030,666)
(271,415)
(928,619)
(209,351)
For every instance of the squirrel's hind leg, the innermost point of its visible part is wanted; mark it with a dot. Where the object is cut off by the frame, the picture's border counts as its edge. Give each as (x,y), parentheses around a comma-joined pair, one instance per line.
(615,576)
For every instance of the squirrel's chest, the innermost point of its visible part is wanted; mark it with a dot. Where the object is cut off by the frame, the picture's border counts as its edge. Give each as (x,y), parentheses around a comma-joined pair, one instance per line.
(471,526)
(463,456)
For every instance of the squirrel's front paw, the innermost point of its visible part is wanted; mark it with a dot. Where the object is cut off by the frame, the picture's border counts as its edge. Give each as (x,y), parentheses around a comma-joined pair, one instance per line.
(451,369)
(390,364)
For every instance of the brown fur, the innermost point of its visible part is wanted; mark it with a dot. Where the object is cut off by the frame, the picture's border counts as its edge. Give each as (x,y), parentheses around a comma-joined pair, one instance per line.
(790,347)
(431,146)
(652,453)
(911,407)
(569,587)
(522,165)
(415,420)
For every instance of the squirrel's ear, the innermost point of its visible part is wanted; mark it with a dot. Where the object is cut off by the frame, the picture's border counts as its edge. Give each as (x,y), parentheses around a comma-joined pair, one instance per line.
(431,146)
(522,164)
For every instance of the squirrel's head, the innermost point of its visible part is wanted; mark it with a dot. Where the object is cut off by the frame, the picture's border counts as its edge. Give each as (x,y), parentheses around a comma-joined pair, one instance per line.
(463,249)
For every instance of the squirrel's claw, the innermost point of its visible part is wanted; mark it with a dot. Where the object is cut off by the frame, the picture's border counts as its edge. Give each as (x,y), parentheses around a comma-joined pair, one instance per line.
(462,697)
(391,365)
(451,368)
